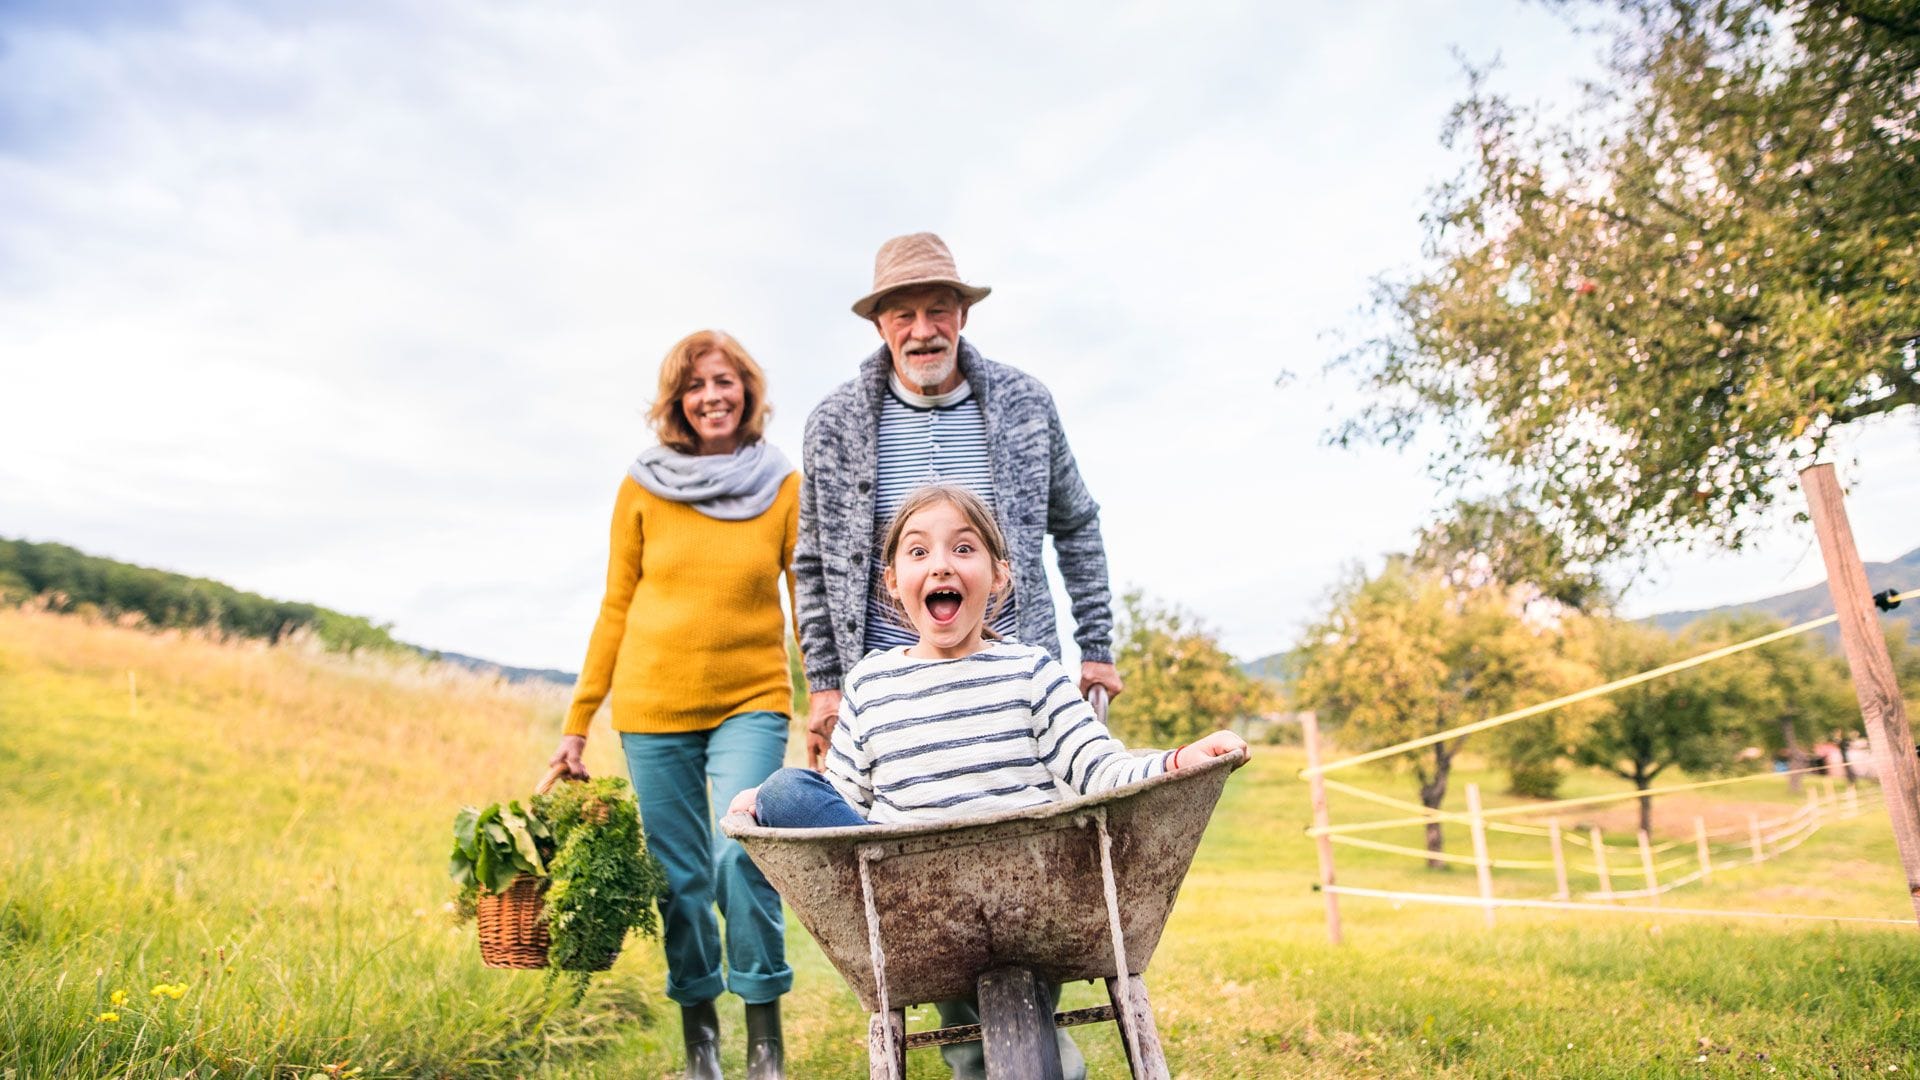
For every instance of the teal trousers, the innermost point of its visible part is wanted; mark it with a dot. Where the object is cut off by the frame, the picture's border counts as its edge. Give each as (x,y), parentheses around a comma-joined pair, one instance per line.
(684,780)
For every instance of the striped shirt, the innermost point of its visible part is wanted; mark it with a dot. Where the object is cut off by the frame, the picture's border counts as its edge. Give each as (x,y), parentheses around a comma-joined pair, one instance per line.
(1003,728)
(924,440)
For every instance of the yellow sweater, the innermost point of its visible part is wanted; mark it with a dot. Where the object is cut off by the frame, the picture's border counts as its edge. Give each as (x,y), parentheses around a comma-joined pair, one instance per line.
(689,632)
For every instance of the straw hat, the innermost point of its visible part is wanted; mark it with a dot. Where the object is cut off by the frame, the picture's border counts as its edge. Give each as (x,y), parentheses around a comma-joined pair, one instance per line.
(915,259)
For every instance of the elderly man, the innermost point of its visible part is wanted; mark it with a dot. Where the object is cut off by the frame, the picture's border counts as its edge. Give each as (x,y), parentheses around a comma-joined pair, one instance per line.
(926,406)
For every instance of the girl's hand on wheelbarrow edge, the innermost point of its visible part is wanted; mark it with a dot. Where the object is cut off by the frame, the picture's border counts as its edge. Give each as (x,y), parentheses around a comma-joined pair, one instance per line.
(568,756)
(743,803)
(1220,742)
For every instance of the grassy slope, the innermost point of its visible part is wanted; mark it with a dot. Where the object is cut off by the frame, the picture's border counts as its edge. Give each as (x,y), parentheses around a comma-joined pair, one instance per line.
(270,830)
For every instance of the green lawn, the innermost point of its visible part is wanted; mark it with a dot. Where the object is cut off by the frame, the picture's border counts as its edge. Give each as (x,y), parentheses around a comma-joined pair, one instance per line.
(269,829)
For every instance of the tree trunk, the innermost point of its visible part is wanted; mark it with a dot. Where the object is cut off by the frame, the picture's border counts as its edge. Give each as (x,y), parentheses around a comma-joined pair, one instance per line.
(1796,757)
(1432,794)
(1840,740)
(1643,782)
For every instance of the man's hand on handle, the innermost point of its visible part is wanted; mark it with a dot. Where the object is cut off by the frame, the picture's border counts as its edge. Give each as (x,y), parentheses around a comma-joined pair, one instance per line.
(568,756)
(1094,673)
(823,711)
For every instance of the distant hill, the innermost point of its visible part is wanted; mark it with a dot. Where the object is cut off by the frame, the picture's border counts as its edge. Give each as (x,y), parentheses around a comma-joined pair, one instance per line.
(1276,667)
(67,579)
(1795,607)
(1812,602)
(511,674)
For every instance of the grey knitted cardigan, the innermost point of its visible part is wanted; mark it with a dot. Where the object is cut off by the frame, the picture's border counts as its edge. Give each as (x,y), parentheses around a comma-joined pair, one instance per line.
(1037,490)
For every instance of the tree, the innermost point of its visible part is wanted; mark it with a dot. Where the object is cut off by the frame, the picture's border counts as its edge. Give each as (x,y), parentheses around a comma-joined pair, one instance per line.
(1402,655)
(1692,720)
(1180,683)
(1656,311)
(72,580)
(1792,692)
(1483,541)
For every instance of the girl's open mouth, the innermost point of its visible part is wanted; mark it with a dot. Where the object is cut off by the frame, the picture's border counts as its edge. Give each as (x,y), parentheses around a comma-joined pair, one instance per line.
(943,605)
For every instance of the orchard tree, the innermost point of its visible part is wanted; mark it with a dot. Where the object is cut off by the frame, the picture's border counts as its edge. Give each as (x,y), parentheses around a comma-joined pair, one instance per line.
(1692,720)
(1479,542)
(1655,312)
(1402,655)
(1793,692)
(1180,683)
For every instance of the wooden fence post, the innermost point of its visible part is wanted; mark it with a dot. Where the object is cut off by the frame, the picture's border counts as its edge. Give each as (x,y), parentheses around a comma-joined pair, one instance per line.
(1480,865)
(1853,798)
(1753,839)
(1700,844)
(1310,727)
(1873,683)
(1600,861)
(1561,891)
(1646,868)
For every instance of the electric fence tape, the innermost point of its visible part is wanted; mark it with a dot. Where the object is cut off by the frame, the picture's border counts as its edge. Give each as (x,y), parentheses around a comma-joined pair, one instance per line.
(1583,695)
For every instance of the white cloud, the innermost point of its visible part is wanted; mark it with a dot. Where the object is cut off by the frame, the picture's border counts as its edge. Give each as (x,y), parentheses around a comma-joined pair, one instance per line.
(362,304)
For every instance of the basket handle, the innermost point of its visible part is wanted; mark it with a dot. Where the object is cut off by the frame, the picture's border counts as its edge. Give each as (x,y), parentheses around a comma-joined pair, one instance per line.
(553,777)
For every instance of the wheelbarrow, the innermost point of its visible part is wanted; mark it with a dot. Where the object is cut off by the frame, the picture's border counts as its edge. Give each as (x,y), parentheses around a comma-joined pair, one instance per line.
(1064,892)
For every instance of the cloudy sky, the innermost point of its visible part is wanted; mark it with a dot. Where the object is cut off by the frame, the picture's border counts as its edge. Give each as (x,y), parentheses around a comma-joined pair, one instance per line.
(361,303)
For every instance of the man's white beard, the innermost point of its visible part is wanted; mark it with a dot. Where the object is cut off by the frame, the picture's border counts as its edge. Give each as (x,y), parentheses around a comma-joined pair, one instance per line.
(932,373)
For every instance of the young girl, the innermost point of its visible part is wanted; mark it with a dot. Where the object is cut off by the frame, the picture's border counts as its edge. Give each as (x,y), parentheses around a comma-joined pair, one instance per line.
(960,723)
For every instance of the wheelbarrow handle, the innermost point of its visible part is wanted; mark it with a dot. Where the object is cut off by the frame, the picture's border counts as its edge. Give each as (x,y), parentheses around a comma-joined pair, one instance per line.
(1097,697)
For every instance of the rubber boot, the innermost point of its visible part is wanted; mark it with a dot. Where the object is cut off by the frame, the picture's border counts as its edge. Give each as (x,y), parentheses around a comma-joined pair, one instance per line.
(700,1027)
(766,1059)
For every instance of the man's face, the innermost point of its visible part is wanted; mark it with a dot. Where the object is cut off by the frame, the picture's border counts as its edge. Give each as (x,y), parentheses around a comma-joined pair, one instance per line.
(922,329)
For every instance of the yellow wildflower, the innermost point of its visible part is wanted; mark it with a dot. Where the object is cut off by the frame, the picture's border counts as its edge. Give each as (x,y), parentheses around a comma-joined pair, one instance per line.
(107,1018)
(118,999)
(173,990)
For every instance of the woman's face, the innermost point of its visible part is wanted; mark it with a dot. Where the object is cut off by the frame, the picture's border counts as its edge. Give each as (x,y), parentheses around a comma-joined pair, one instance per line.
(713,402)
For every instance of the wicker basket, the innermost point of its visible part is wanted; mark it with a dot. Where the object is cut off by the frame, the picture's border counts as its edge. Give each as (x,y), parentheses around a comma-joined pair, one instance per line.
(513,924)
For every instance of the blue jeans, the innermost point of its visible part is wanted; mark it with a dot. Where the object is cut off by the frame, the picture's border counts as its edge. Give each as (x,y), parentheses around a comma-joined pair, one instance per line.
(671,774)
(803,799)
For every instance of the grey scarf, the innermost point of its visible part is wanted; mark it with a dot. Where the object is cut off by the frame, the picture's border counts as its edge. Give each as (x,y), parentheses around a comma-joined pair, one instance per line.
(729,487)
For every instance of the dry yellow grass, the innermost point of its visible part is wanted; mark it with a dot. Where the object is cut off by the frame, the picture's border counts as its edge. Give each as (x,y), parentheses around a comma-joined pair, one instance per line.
(269,828)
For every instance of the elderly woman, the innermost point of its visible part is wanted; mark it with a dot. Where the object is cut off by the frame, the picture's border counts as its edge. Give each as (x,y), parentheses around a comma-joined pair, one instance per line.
(690,644)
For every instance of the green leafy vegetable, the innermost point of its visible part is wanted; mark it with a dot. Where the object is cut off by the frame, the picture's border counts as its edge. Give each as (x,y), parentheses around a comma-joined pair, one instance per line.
(585,839)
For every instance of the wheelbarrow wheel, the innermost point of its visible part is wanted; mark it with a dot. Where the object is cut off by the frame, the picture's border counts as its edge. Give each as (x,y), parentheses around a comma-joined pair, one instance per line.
(1016,1027)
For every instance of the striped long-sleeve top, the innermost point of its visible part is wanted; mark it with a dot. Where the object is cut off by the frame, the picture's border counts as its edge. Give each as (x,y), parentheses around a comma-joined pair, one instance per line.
(1003,728)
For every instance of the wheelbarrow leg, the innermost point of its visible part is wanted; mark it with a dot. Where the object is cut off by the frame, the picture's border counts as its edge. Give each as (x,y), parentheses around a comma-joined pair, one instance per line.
(1138,1019)
(1016,1026)
(877,1045)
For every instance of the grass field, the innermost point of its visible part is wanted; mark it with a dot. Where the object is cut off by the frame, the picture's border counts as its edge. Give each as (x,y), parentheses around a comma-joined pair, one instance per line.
(250,849)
